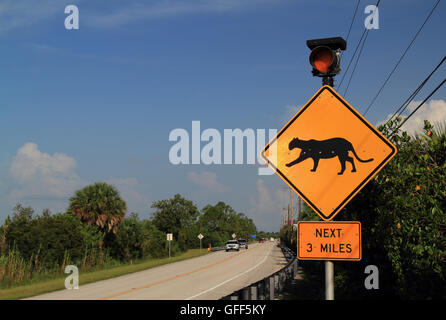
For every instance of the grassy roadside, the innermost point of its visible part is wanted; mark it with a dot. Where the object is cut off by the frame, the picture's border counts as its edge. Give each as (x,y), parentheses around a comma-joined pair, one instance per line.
(46,286)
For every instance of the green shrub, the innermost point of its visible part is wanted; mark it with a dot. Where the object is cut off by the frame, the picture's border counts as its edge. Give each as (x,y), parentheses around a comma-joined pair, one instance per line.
(136,239)
(48,238)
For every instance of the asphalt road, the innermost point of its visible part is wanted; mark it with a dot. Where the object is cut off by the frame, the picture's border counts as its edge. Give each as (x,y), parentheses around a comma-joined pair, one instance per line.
(211,276)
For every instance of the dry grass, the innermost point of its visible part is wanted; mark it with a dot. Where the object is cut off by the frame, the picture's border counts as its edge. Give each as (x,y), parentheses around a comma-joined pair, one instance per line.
(16,270)
(41,285)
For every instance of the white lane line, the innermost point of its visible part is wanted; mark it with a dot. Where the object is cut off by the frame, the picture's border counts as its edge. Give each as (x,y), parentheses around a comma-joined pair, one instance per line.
(235,277)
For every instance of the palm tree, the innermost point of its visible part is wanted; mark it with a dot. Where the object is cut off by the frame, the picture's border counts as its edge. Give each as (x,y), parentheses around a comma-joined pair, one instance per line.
(99,204)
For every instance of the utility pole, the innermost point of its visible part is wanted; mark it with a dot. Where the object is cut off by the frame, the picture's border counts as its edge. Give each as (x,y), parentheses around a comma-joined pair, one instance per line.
(300,208)
(286,215)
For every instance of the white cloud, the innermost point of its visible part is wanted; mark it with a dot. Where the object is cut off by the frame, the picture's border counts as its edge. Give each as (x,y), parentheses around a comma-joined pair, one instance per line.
(39,174)
(45,180)
(127,188)
(267,207)
(23,13)
(207,180)
(434,111)
(138,10)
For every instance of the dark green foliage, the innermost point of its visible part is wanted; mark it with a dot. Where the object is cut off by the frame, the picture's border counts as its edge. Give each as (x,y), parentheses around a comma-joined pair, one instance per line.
(217,223)
(49,238)
(99,204)
(176,216)
(267,235)
(43,245)
(136,239)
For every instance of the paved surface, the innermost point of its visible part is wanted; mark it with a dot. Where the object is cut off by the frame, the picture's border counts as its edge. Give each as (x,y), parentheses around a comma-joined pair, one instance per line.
(212,276)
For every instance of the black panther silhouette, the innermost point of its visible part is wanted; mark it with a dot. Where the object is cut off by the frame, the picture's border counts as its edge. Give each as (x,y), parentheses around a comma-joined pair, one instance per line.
(325,149)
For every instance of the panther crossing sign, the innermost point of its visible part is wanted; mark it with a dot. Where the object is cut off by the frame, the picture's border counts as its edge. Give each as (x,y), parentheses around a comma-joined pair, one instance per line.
(328,152)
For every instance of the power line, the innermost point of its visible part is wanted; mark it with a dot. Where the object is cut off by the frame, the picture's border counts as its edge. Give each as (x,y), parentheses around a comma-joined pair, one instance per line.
(364,33)
(350,28)
(403,107)
(356,63)
(351,60)
(400,59)
(416,109)
(353,19)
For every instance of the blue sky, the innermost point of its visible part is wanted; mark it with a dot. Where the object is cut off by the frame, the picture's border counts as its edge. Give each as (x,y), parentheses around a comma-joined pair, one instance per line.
(98,103)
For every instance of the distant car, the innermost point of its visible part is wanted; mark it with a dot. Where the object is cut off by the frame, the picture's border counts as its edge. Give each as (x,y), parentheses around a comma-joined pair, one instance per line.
(243,243)
(232,245)
(261,240)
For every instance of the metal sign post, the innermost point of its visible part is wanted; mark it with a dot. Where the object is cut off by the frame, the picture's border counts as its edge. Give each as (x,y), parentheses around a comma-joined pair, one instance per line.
(200,236)
(329,280)
(169,239)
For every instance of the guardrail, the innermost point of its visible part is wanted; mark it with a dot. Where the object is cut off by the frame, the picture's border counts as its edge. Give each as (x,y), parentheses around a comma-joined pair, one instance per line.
(268,288)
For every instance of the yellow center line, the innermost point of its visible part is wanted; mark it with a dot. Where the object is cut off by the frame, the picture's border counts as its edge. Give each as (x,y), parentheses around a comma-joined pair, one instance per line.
(170,279)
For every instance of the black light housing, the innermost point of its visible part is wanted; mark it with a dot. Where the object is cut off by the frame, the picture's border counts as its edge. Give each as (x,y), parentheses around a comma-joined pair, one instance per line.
(325,56)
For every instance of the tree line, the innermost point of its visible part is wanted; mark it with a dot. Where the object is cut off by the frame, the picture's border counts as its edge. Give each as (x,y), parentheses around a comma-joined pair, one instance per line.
(95,232)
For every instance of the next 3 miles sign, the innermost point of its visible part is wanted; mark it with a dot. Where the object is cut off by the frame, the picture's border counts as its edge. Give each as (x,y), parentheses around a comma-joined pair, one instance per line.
(326,153)
(329,240)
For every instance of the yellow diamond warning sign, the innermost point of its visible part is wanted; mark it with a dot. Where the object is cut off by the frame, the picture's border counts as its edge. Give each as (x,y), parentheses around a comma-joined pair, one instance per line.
(327,152)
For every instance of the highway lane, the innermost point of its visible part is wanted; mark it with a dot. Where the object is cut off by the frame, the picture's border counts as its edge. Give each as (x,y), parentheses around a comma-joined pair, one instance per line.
(212,276)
